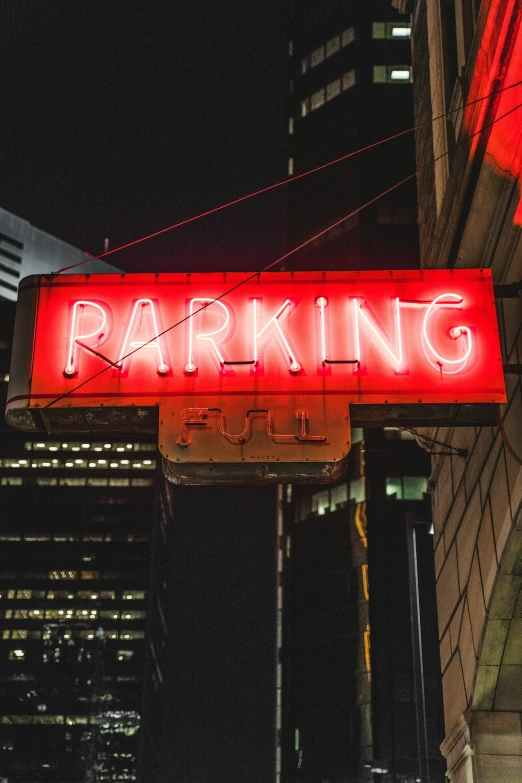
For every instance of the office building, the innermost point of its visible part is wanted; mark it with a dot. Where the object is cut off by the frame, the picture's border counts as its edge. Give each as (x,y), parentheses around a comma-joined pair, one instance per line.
(469,211)
(350,86)
(352,703)
(26,250)
(75,559)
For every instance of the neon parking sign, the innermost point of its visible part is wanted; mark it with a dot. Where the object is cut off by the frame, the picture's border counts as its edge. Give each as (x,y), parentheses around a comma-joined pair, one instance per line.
(260,375)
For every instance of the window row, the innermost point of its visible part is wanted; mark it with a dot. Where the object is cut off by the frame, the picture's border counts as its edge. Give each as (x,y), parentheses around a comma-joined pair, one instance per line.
(69,481)
(26,634)
(79,464)
(394,30)
(406,487)
(20,654)
(328,93)
(331,499)
(85,446)
(68,614)
(25,595)
(62,574)
(392,74)
(71,537)
(326,50)
(70,720)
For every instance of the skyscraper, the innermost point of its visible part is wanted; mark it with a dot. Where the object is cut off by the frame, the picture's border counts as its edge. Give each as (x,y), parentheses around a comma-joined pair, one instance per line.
(75,534)
(349,87)
(26,250)
(352,702)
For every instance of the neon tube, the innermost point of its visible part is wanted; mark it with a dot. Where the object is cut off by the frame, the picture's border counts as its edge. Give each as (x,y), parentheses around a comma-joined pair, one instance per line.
(455,332)
(70,368)
(294,367)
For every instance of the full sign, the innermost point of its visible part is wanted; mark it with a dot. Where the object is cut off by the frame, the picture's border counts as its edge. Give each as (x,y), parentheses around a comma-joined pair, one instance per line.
(254,380)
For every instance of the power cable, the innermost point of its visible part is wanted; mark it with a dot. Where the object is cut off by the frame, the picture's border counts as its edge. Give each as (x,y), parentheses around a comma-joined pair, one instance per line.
(286,255)
(426,441)
(279,184)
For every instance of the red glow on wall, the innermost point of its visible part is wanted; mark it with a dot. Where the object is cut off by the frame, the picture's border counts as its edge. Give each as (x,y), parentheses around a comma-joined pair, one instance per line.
(498,65)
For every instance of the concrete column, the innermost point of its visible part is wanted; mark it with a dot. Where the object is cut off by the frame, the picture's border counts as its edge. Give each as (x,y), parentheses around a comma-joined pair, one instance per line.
(485,747)
(458,753)
(496,739)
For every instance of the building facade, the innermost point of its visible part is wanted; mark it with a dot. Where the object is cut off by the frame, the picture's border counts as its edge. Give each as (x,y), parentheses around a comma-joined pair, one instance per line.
(469,54)
(26,250)
(350,86)
(75,566)
(358,690)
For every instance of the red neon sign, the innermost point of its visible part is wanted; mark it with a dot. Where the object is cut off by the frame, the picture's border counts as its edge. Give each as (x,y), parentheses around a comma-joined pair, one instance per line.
(283,355)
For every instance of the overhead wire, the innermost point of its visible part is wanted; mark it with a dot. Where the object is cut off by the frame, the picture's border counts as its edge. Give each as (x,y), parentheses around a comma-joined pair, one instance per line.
(286,181)
(286,255)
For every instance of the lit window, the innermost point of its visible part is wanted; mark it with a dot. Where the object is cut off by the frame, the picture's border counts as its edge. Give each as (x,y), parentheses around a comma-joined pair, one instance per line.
(338,496)
(63,575)
(142,482)
(317,56)
(317,99)
(320,502)
(290,167)
(305,107)
(399,31)
(393,488)
(348,36)
(333,89)
(349,80)
(400,75)
(16,655)
(392,74)
(125,655)
(391,30)
(135,615)
(27,719)
(135,595)
(406,487)
(290,48)
(290,132)
(119,482)
(333,46)
(415,487)
(357,435)
(358,490)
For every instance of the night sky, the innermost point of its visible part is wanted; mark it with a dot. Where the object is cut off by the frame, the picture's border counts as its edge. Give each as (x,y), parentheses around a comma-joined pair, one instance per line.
(119,118)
